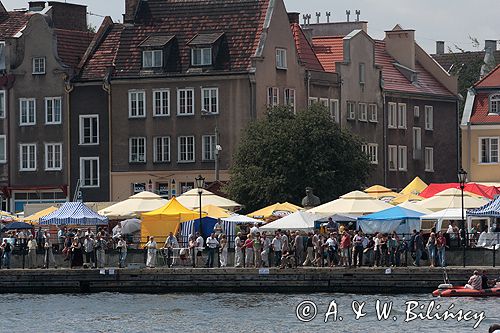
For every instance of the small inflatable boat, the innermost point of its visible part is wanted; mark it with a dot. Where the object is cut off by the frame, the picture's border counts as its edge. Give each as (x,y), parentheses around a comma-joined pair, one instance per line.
(447,290)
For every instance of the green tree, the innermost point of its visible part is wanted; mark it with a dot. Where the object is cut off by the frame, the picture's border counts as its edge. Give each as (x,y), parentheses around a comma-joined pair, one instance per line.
(283,153)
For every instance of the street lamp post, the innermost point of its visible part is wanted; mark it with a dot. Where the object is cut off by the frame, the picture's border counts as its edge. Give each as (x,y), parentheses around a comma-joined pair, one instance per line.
(462,177)
(200,184)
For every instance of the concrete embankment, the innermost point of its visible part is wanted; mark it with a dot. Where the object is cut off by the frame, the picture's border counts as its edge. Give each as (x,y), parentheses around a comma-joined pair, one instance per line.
(164,280)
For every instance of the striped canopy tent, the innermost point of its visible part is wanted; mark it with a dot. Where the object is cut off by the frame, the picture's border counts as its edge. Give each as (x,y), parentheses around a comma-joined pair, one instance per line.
(74,213)
(491,209)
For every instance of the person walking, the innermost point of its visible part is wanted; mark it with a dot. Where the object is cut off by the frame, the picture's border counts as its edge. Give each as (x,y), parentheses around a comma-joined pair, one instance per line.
(199,249)
(122,247)
(277,246)
(223,250)
(100,250)
(212,244)
(257,250)
(418,247)
(32,246)
(151,248)
(39,238)
(309,250)
(299,247)
(49,255)
(61,237)
(345,245)
(76,253)
(441,249)
(237,250)
(88,250)
(7,251)
(266,246)
(248,246)
(358,249)
(171,244)
(431,247)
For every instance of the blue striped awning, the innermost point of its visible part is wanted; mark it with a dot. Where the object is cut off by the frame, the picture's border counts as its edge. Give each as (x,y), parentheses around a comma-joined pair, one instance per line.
(491,209)
(74,213)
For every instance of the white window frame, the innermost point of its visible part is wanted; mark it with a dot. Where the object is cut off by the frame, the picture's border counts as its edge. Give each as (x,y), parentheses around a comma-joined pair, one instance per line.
(490,156)
(351,110)
(392,156)
(281,61)
(55,120)
(417,141)
(150,60)
(82,119)
(187,109)
(27,101)
(3,103)
(312,100)
(179,152)
(335,110)
(28,161)
(39,68)
(392,115)
(402,158)
(429,159)
(429,118)
(2,56)
(289,98)
(3,142)
(494,108)
(372,113)
(273,96)
(137,140)
(163,139)
(363,112)
(213,92)
(82,172)
(139,113)
(416,111)
(402,123)
(202,53)
(213,148)
(158,96)
(362,73)
(324,101)
(56,166)
(372,151)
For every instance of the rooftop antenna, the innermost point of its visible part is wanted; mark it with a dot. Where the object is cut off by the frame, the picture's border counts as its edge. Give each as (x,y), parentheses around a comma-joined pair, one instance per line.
(358,12)
(328,17)
(347,13)
(318,15)
(308,19)
(304,17)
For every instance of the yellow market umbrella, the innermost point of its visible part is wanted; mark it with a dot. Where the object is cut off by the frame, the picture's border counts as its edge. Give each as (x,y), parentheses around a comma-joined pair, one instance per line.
(278,210)
(380,192)
(416,186)
(451,198)
(405,198)
(160,222)
(7,216)
(215,212)
(353,203)
(33,218)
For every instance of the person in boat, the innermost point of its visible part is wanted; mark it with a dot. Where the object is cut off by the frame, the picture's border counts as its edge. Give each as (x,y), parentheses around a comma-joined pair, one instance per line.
(485,282)
(475,281)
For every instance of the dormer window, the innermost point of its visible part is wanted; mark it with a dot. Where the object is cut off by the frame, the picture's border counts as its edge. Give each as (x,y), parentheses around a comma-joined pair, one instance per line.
(201,56)
(152,59)
(495,104)
(204,49)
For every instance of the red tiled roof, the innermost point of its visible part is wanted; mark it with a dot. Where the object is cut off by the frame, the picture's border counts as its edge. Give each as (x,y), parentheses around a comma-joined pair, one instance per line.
(394,80)
(71,45)
(241,21)
(492,80)
(304,49)
(329,51)
(12,22)
(104,57)
(481,109)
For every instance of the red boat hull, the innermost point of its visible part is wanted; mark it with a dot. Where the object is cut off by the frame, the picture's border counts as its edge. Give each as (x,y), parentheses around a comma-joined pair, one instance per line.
(464,292)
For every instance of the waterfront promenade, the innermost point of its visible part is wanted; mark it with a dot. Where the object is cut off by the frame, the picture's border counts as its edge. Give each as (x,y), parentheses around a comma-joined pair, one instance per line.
(296,280)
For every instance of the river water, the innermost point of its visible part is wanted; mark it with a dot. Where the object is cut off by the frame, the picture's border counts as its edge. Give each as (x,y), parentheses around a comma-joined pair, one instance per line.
(114,312)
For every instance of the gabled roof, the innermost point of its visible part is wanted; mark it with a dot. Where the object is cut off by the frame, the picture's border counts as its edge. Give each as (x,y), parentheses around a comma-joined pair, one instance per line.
(12,22)
(72,44)
(492,80)
(480,110)
(305,49)
(446,60)
(241,21)
(156,41)
(205,39)
(329,51)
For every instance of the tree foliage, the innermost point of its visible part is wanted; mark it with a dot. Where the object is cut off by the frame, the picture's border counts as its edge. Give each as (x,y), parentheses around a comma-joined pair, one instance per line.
(283,153)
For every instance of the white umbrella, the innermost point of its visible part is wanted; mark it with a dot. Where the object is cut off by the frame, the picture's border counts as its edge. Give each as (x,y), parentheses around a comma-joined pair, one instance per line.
(133,206)
(297,221)
(130,226)
(191,200)
(241,219)
(353,203)
(451,198)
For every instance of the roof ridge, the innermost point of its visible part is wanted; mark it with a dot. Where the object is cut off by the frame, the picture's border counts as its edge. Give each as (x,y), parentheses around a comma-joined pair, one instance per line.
(487,75)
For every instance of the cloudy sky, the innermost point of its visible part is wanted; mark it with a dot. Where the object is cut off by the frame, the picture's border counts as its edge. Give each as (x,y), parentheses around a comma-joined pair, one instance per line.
(452,21)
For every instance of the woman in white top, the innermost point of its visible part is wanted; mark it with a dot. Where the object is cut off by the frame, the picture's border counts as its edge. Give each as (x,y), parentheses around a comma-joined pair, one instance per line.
(151,247)
(223,251)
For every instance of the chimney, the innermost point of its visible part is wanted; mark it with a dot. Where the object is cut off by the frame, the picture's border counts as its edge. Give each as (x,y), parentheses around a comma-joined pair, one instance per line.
(440,47)
(490,44)
(294,17)
(36,6)
(400,44)
(68,16)
(130,10)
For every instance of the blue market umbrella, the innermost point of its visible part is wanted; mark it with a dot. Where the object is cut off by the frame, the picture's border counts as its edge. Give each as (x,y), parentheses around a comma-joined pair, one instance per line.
(17,225)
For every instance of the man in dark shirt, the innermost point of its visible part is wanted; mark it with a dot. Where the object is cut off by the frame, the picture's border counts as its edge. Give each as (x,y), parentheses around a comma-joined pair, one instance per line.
(419,247)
